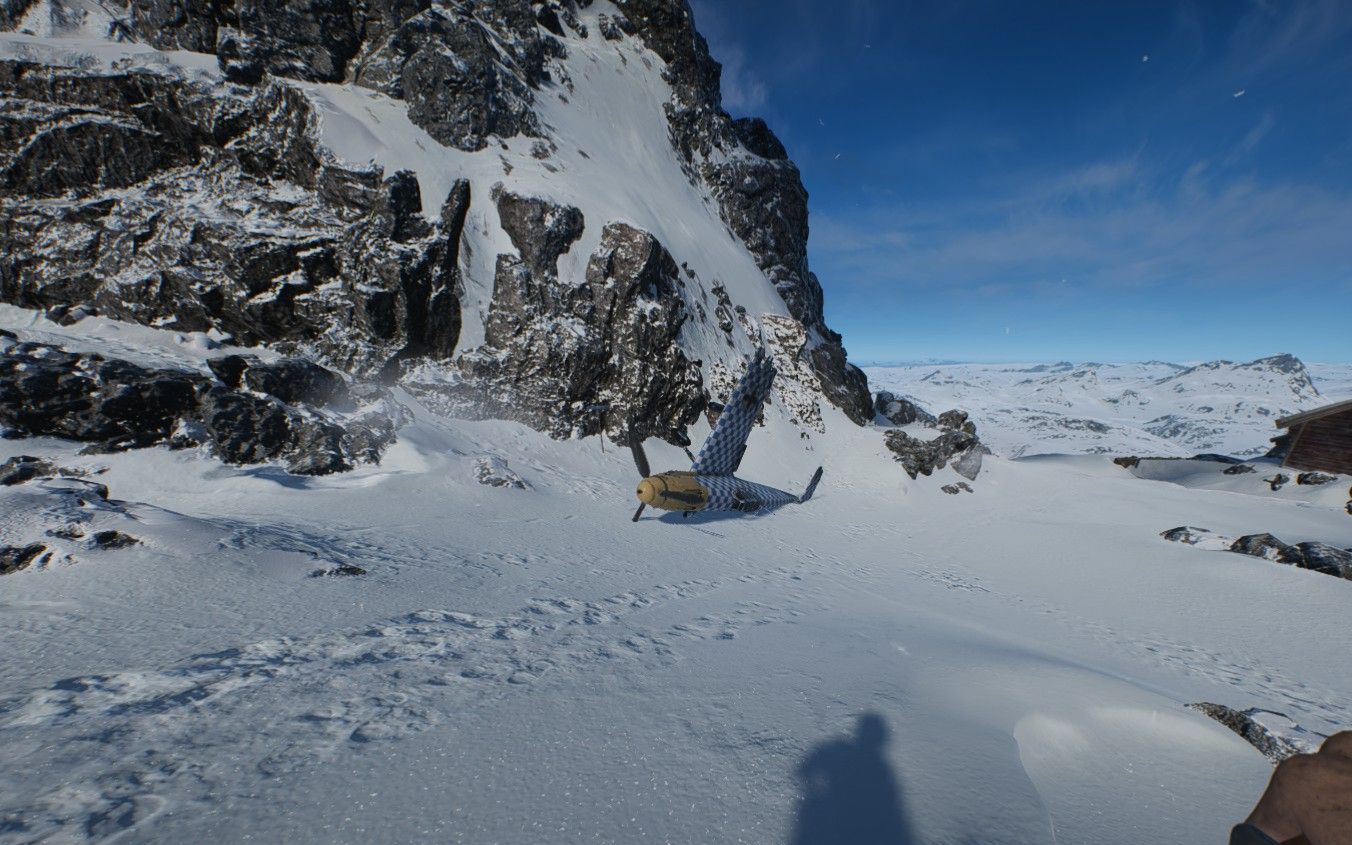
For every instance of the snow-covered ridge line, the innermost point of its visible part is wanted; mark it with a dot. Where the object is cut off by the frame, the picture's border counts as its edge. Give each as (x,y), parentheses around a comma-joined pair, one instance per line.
(1152,408)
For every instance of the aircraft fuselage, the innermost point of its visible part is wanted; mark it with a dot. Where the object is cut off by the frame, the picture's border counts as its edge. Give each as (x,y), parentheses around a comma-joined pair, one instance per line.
(683,490)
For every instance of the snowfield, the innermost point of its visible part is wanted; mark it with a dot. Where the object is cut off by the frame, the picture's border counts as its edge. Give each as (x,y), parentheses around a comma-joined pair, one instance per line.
(1154,408)
(527,665)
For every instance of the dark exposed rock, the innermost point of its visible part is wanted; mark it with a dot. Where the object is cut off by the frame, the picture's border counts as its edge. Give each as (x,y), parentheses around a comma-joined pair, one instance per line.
(1273,746)
(898,410)
(1277,481)
(955,489)
(494,472)
(1187,534)
(1315,478)
(1238,469)
(117,405)
(322,247)
(582,359)
(14,558)
(1259,545)
(459,87)
(540,230)
(956,420)
(922,457)
(112,540)
(291,380)
(1320,557)
(1127,462)
(22,468)
(757,137)
(342,570)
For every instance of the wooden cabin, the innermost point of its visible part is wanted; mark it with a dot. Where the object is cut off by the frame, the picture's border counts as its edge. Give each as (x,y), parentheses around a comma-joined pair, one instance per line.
(1320,439)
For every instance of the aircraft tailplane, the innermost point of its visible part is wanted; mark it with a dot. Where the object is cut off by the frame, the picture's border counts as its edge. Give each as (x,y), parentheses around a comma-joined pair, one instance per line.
(811,486)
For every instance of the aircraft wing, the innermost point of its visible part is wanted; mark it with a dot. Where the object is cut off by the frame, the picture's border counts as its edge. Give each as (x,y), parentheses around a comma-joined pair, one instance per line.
(722,452)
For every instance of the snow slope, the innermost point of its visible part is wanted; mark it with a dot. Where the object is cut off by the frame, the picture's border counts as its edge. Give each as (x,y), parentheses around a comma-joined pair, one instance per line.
(1155,408)
(528,665)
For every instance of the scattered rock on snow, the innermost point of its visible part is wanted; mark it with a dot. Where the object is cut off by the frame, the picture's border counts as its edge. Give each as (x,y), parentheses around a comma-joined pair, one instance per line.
(342,570)
(1192,536)
(1259,545)
(112,540)
(1315,478)
(494,472)
(14,558)
(955,489)
(1238,469)
(1269,740)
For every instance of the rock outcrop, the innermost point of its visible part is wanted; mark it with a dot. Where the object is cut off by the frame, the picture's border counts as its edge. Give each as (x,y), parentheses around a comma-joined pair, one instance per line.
(177,201)
(956,442)
(1249,724)
(580,360)
(897,410)
(116,405)
(239,225)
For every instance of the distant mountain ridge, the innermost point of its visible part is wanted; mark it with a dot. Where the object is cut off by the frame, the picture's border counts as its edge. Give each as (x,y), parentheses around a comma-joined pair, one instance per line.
(1150,408)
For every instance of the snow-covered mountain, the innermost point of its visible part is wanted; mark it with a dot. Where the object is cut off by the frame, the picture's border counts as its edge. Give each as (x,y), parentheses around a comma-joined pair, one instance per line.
(318,322)
(536,211)
(1154,408)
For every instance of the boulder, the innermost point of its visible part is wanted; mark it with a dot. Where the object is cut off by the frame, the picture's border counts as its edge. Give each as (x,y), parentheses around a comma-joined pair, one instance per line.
(342,570)
(292,380)
(22,468)
(922,457)
(1127,462)
(1188,534)
(898,410)
(14,558)
(1259,545)
(1315,478)
(494,472)
(1320,557)
(112,540)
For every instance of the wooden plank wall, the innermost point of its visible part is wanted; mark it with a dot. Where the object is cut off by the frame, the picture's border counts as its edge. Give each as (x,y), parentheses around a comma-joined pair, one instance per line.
(1324,444)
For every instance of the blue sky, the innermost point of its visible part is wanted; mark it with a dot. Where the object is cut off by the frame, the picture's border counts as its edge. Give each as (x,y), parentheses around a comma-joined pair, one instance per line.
(995,181)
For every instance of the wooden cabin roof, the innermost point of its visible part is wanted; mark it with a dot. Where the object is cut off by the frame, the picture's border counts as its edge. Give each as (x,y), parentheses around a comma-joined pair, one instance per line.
(1314,414)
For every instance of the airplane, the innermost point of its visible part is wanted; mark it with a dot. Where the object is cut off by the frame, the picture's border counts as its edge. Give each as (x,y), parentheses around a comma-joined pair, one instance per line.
(709,484)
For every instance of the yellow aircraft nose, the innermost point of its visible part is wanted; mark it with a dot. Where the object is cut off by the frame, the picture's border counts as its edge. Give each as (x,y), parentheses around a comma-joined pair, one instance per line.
(647,491)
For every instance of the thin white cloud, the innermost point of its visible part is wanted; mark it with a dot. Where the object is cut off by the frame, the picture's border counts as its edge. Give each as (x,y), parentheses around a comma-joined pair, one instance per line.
(744,92)
(1186,231)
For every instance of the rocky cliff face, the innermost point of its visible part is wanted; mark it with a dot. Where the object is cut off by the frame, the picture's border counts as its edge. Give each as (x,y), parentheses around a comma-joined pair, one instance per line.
(149,188)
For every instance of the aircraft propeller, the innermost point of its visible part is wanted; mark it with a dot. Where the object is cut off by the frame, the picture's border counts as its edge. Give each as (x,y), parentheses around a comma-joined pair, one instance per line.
(641,462)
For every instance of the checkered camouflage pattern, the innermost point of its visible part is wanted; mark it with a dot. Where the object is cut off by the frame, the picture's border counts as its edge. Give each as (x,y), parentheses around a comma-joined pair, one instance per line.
(727,493)
(722,452)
